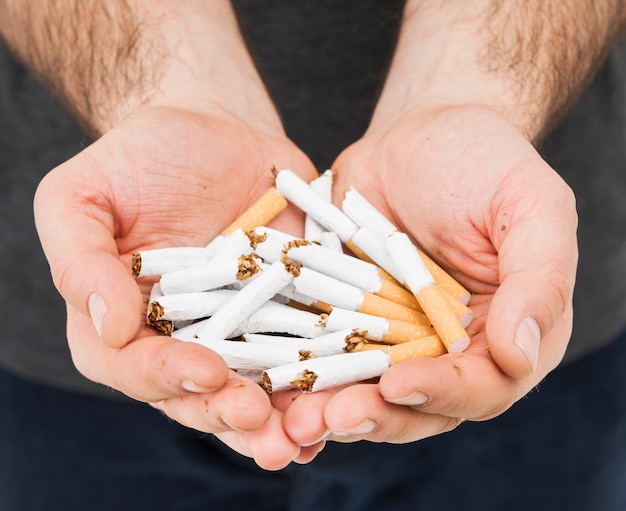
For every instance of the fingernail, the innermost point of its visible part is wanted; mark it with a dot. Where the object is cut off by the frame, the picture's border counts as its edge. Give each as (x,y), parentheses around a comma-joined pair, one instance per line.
(321,438)
(527,338)
(191,386)
(414,399)
(97,310)
(365,427)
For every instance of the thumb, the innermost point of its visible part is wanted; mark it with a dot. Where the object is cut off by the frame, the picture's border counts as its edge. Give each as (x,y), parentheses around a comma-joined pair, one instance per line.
(537,264)
(75,224)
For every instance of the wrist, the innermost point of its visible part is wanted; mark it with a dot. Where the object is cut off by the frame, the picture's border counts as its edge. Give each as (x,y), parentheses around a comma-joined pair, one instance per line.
(528,61)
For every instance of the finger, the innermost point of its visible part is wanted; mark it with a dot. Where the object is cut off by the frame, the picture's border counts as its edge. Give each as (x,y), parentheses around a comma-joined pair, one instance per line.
(466,385)
(269,446)
(76,226)
(239,405)
(361,412)
(537,263)
(304,418)
(151,368)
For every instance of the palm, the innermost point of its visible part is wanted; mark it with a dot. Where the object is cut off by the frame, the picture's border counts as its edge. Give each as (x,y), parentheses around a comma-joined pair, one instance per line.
(489,210)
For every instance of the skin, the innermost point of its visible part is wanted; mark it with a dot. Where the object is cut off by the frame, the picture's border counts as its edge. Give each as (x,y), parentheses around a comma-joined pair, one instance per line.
(185,138)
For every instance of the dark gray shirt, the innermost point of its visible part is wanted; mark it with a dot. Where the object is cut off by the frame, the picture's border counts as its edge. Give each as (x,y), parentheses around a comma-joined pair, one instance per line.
(324,64)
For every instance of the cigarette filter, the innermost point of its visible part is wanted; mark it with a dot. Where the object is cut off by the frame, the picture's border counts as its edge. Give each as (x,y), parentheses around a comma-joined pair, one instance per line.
(261,212)
(421,283)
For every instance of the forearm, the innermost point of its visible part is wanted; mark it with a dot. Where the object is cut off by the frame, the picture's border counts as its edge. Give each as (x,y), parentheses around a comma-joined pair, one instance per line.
(106,59)
(528,59)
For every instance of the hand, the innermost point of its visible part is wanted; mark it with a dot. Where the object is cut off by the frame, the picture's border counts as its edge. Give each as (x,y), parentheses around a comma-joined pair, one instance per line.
(163,177)
(475,195)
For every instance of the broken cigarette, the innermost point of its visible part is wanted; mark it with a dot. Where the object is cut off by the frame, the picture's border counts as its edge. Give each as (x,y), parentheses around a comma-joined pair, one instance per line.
(342,341)
(322,185)
(209,276)
(378,328)
(149,263)
(420,281)
(335,370)
(261,212)
(235,311)
(365,215)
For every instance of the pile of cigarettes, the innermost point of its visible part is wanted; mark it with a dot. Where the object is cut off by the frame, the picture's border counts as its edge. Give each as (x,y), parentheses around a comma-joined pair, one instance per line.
(304,313)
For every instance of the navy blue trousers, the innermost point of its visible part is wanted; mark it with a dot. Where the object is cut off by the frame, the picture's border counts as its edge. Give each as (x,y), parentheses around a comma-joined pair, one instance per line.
(561,448)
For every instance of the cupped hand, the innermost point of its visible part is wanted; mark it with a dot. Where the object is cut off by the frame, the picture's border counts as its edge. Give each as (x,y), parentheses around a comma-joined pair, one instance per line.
(474,194)
(163,177)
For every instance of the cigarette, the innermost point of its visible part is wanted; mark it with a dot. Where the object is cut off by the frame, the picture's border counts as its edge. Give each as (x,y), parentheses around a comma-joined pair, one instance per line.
(378,329)
(300,193)
(422,284)
(188,306)
(331,241)
(323,185)
(350,270)
(342,341)
(364,214)
(234,245)
(261,212)
(445,280)
(250,356)
(281,319)
(293,298)
(209,276)
(326,372)
(365,243)
(335,370)
(149,263)
(340,294)
(232,313)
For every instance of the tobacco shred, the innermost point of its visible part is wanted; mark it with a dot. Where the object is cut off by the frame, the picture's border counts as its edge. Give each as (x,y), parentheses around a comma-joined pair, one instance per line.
(155,311)
(306,355)
(355,340)
(266,383)
(136,264)
(306,381)
(248,267)
(162,326)
(255,239)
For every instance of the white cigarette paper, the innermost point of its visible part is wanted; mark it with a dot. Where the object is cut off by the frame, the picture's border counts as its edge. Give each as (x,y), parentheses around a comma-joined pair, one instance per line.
(323,185)
(327,372)
(364,214)
(243,355)
(235,311)
(149,263)
(342,341)
(300,193)
(186,306)
(422,284)
(207,276)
